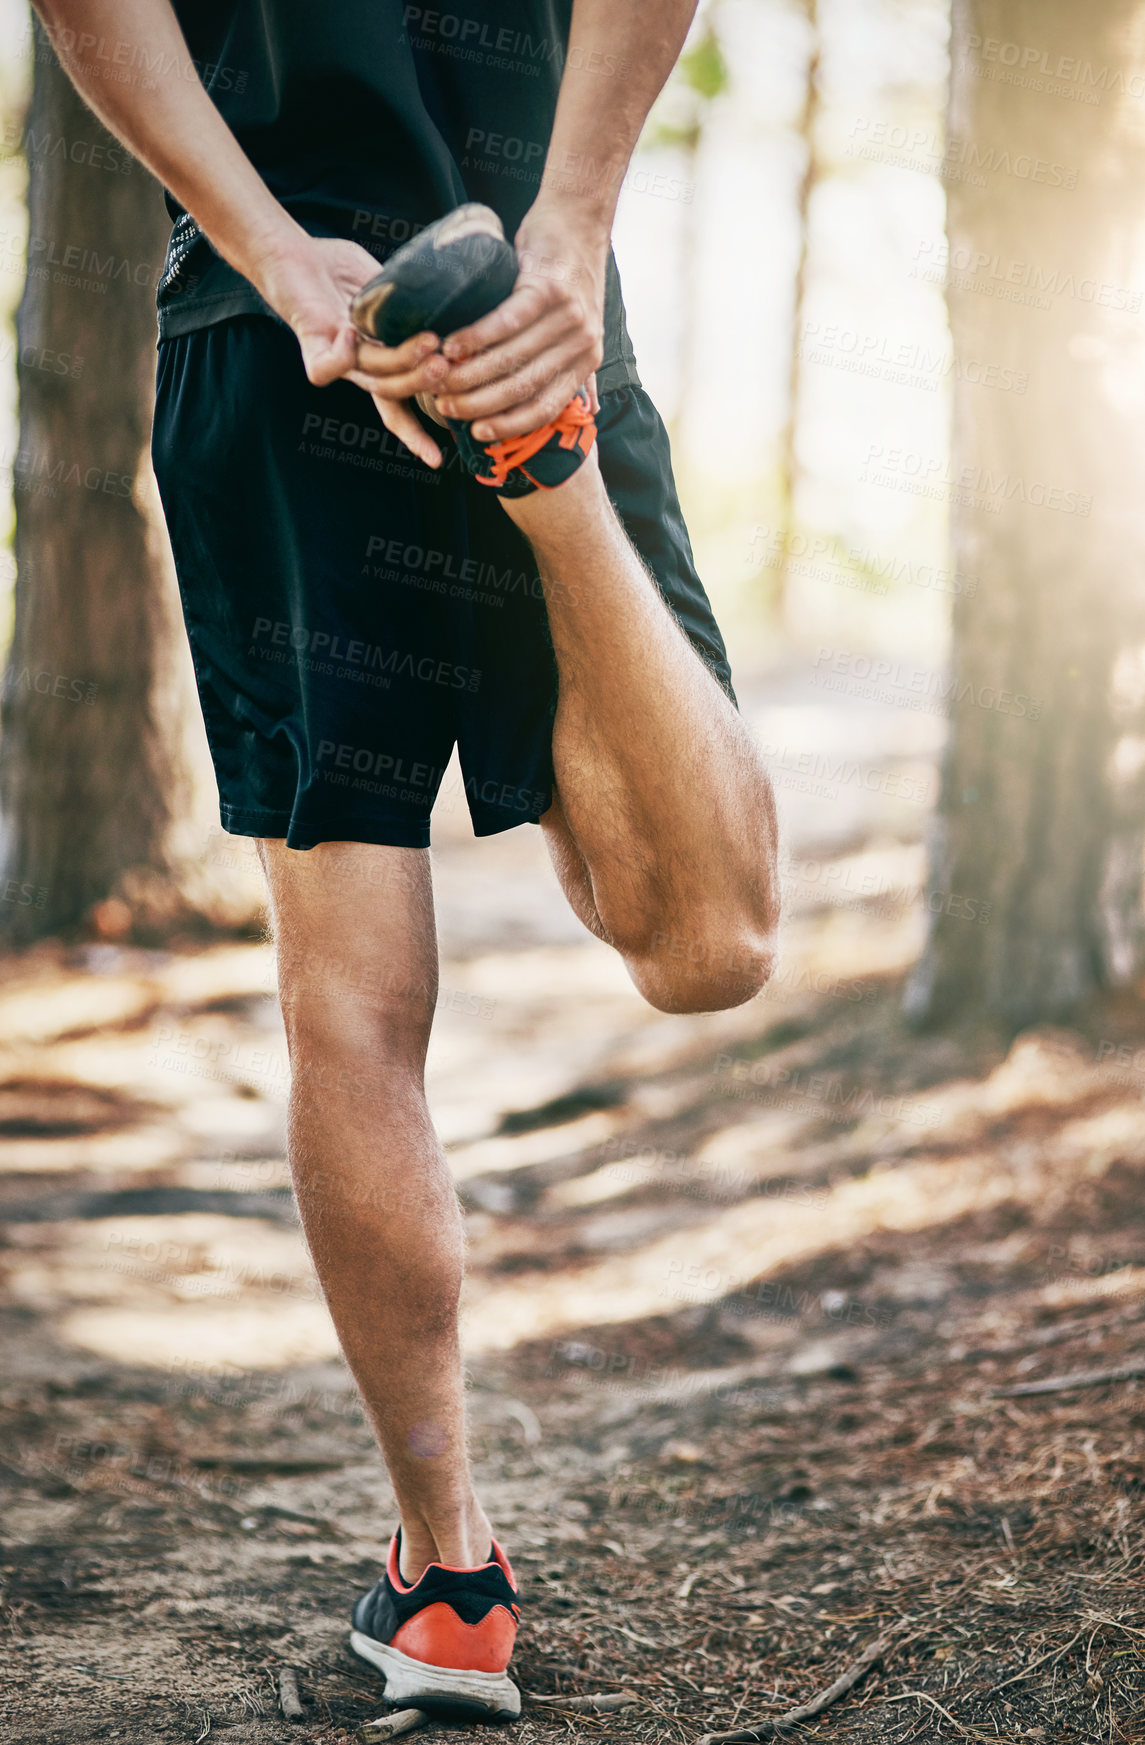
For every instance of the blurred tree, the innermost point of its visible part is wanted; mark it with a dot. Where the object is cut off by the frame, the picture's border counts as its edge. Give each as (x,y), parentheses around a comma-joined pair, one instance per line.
(808,181)
(700,77)
(1036,866)
(91,764)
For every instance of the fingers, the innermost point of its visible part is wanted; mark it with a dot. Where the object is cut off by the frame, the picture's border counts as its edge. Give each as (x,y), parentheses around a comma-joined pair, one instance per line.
(510,356)
(524,304)
(400,372)
(386,360)
(529,414)
(548,381)
(325,357)
(530,378)
(401,421)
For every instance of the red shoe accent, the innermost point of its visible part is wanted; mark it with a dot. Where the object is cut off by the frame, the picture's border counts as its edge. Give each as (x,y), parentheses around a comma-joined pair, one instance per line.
(439,1637)
(575,427)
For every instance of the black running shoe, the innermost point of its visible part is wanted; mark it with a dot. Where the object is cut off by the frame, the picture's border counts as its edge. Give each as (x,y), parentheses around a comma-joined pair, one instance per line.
(444,1641)
(451,274)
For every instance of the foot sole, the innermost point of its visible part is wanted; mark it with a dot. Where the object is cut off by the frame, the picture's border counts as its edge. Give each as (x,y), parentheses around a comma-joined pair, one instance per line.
(440,1690)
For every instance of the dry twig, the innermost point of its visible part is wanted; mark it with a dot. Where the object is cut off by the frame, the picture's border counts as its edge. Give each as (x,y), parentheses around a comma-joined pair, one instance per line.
(390,1726)
(769,1729)
(598,1702)
(289,1700)
(1083,1378)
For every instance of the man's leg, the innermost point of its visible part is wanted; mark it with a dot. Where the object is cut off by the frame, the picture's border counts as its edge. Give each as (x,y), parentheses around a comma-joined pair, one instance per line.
(663,831)
(357,968)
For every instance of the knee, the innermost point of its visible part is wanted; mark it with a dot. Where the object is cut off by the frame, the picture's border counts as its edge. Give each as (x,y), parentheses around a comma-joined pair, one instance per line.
(336,1027)
(702,975)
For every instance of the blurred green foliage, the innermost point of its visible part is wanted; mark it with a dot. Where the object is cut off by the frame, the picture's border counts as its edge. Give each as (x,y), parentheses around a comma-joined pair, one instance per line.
(700,77)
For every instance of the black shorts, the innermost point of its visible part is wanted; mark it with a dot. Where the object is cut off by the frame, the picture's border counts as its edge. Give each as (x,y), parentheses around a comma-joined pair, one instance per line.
(353,615)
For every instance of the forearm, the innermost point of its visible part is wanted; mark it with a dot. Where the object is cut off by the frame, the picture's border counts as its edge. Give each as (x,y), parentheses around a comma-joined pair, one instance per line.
(619,57)
(172,126)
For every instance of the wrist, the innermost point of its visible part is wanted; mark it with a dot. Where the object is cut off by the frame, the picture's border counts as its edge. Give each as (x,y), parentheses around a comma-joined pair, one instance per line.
(579,204)
(277,256)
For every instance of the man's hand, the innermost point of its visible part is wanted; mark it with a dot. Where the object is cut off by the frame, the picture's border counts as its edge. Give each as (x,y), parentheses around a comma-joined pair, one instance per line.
(310,286)
(522,363)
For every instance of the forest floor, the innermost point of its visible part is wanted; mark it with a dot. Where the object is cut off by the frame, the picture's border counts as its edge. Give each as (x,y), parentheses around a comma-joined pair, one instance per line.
(752,1299)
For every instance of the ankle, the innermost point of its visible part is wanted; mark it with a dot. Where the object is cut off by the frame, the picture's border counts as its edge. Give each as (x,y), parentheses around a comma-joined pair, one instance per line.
(416,1550)
(546,515)
(465,1540)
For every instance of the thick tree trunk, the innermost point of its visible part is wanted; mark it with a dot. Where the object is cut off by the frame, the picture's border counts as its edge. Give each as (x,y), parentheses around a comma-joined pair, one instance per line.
(91,764)
(1035,888)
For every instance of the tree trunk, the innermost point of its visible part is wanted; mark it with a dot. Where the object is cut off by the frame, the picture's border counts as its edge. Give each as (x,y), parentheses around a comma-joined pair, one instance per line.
(92,768)
(808,182)
(1036,868)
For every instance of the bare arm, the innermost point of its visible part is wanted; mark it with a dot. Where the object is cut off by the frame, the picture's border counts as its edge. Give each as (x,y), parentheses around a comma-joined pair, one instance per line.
(173,127)
(547,337)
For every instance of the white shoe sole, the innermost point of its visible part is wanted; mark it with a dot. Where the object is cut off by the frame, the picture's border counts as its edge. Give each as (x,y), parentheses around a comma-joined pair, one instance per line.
(492,1695)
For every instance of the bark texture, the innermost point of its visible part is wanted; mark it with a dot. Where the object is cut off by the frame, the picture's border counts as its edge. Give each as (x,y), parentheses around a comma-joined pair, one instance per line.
(1036,870)
(92,768)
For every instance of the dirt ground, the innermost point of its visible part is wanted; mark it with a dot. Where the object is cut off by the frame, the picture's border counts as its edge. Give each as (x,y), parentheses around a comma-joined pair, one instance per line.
(752,1302)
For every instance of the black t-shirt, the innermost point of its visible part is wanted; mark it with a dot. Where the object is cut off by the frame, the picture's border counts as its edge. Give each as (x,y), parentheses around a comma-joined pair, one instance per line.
(368,119)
